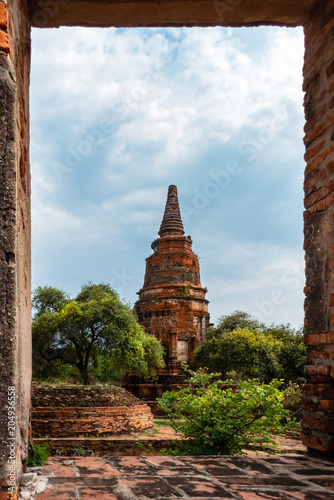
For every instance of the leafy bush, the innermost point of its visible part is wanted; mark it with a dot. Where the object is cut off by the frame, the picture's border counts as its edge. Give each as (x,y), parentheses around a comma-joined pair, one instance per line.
(220,417)
(253,349)
(39,455)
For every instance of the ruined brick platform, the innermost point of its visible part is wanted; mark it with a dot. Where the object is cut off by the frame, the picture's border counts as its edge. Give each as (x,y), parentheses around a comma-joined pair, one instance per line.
(213,477)
(86,411)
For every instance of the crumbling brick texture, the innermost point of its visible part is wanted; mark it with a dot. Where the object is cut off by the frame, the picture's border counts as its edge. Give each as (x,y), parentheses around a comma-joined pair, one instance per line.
(172,304)
(15,352)
(92,411)
(318,399)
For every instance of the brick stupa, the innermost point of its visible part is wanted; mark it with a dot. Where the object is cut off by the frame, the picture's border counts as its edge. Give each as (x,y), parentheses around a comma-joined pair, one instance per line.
(172,304)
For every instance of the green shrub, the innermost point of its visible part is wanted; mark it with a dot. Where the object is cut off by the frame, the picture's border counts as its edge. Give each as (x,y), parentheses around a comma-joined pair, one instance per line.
(39,454)
(216,420)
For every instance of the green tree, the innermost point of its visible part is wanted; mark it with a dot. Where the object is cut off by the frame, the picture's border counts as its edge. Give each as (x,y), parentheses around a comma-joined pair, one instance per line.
(253,349)
(219,417)
(94,329)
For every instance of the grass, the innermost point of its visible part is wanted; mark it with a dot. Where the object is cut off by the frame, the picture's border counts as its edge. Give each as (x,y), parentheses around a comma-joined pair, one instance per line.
(160,422)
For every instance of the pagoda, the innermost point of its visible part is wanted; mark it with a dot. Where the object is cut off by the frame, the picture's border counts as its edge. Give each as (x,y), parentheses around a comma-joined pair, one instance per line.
(172,304)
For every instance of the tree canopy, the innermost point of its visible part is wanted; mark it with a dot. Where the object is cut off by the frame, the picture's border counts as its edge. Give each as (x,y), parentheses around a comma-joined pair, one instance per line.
(95,333)
(253,349)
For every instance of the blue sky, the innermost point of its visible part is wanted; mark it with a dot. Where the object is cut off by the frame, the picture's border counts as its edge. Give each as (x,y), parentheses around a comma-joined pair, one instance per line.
(117,115)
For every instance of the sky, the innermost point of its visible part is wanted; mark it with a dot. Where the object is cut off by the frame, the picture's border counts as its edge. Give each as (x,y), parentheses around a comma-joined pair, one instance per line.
(117,115)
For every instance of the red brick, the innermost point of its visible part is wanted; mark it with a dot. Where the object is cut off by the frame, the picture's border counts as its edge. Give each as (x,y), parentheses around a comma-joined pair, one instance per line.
(311,74)
(3,16)
(318,207)
(321,391)
(313,163)
(4,42)
(318,355)
(320,443)
(326,405)
(315,178)
(314,197)
(314,133)
(95,467)
(59,469)
(317,405)
(319,338)
(318,371)
(329,188)
(252,495)
(330,167)
(312,152)
(324,423)
(97,494)
(330,69)
(57,494)
(316,118)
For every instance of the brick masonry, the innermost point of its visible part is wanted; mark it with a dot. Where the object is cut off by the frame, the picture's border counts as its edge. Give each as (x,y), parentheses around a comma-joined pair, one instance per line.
(87,411)
(15,311)
(318,403)
(172,304)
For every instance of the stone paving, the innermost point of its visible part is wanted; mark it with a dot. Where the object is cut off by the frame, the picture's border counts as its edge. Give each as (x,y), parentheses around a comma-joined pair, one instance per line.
(257,477)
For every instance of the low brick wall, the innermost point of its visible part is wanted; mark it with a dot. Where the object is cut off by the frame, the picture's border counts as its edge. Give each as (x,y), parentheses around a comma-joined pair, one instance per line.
(70,412)
(76,421)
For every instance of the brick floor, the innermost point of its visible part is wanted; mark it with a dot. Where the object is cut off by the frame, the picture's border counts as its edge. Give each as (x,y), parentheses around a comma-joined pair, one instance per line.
(258,477)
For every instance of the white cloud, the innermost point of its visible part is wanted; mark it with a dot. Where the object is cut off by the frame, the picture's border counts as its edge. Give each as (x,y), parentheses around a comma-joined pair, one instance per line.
(180,103)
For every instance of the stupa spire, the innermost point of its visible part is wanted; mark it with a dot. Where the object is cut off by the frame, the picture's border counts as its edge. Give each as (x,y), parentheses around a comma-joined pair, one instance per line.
(171,222)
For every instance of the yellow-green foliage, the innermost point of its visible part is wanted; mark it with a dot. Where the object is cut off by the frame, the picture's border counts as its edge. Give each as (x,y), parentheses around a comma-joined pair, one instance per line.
(253,349)
(218,420)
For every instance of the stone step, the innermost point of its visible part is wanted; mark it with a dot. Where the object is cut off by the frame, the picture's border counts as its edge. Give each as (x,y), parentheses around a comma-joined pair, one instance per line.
(87,412)
(106,446)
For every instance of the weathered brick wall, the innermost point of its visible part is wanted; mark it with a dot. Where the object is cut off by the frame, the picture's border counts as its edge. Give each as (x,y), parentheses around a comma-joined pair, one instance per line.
(15,352)
(318,402)
(59,412)
(95,422)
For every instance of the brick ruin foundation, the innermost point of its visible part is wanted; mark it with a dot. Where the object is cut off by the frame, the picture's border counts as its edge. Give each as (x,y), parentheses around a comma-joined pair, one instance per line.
(16,18)
(63,416)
